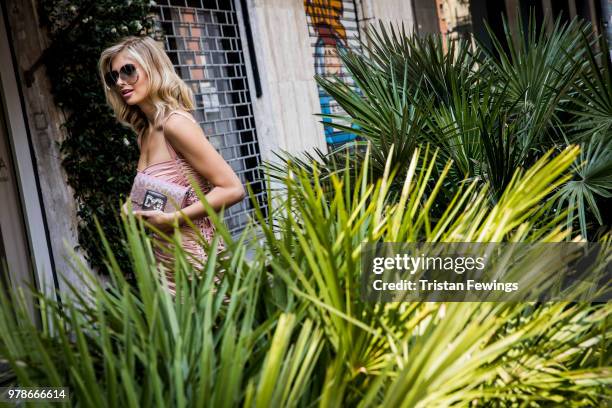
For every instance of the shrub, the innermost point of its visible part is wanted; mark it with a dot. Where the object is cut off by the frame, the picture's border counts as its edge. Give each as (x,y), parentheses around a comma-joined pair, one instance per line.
(490,111)
(98,154)
(287,328)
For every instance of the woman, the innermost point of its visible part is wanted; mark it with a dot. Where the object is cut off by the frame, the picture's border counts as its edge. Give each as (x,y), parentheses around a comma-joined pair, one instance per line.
(147,95)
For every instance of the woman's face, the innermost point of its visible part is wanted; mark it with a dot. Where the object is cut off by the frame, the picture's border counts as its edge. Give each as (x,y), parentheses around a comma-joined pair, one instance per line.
(132,93)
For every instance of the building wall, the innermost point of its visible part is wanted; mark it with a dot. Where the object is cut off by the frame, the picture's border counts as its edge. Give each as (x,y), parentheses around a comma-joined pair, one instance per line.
(606,11)
(391,11)
(454,17)
(205,44)
(284,112)
(285,35)
(44,119)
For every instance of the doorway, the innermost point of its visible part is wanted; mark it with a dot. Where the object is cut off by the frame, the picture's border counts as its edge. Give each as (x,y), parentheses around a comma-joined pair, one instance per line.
(25,251)
(15,265)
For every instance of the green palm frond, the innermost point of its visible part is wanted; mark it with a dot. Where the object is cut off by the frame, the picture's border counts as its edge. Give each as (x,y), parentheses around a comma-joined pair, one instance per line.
(430,64)
(538,71)
(592,179)
(372,341)
(593,95)
(287,327)
(490,111)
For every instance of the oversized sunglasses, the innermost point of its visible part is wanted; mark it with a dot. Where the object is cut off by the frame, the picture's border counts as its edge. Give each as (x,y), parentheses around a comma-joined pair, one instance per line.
(127,73)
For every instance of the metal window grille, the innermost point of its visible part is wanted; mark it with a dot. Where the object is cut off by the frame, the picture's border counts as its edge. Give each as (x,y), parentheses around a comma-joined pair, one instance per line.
(203,42)
(332,23)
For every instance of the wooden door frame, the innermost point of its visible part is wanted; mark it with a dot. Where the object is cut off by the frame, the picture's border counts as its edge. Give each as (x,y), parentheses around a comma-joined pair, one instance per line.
(23,158)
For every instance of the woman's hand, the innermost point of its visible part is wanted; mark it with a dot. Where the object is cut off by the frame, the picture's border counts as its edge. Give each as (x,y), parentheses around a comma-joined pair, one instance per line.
(159,219)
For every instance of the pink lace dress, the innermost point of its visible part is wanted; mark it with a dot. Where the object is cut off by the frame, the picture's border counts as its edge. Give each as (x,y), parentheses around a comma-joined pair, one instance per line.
(178,170)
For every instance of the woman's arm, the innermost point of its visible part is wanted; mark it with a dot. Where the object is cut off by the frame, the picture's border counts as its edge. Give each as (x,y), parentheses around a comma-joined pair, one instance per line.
(187,138)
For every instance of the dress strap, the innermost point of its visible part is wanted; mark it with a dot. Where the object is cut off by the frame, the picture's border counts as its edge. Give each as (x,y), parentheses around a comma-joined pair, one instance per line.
(182,113)
(171,150)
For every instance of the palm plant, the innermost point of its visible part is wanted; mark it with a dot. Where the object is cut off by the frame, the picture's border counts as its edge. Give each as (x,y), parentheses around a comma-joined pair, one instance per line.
(318,257)
(435,65)
(592,101)
(135,345)
(491,111)
(288,328)
(538,70)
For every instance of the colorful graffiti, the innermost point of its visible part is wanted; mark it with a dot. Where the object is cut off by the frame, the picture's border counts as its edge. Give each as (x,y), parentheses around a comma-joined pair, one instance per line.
(329,21)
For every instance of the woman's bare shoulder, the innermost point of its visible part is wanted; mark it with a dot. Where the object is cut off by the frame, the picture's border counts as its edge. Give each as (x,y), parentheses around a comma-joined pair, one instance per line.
(181,127)
(177,116)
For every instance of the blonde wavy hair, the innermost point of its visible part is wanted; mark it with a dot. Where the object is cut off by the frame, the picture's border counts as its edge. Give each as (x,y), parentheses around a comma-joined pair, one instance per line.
(166,89)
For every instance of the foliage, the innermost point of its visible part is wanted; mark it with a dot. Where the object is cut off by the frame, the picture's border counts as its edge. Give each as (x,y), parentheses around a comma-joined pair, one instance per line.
(288,328)
(98,154)
(491,111)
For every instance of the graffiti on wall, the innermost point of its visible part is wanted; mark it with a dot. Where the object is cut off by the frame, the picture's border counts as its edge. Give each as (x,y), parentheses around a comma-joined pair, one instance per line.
(331,24)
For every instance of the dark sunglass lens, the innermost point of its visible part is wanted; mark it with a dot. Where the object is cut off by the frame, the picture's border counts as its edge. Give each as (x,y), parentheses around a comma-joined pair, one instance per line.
(129,73)
(111,78)
(128,69)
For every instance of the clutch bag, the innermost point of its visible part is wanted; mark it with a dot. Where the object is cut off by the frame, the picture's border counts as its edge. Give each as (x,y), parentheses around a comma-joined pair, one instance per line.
(152,193)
